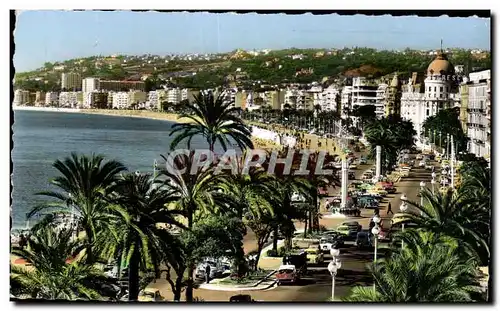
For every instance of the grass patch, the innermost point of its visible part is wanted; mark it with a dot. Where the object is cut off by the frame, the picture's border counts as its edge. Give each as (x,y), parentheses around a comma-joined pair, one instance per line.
(250,278)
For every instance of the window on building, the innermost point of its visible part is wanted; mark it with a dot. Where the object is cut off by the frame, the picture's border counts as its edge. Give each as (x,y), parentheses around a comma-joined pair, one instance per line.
(429,88)
(441,95)
(427,105)
(435,89)
(427,112)
(441,89)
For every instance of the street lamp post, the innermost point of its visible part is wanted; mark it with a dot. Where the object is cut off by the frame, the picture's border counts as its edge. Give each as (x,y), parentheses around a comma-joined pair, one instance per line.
(375,232)
(403,208)
(422,185)
(333,267)
(448,146)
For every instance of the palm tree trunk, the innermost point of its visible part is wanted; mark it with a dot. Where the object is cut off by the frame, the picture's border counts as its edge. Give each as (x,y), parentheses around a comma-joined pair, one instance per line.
(90,241)
(178,287)
(275,239)
(316,211)
(190,268)
(133,276)
(305,223)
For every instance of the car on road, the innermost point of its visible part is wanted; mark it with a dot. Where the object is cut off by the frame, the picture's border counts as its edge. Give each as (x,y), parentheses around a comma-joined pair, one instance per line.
(429,166)
(362,160)
(419,156)
(351,175)
(287,274)
(367,201)
(352,224)
(337,165)
(331,241)
(353,166)
(314,256)
(363,240)
(422,164)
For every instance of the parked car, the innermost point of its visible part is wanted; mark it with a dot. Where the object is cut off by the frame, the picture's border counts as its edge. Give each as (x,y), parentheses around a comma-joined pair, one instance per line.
(351,175)
(347,231)
(367,201)
(241,298)
(353,166)
(352,224)
(314,256)
(363,240)
(216,270)
(362,160)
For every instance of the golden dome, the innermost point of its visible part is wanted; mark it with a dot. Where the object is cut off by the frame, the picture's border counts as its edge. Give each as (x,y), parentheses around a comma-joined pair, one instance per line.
(440,66)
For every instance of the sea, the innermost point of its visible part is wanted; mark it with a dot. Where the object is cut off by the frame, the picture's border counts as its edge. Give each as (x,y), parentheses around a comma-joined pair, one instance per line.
(42,137)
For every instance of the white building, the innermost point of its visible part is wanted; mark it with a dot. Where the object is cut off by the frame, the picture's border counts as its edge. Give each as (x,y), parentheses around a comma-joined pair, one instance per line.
(329,96)
(120,100)
(90,85)
(478,127)
(346,100)
(438,91)
(71,81)
(52,99)
(174,96)
(153,100)
(21,97)
(380,100)
(68,99)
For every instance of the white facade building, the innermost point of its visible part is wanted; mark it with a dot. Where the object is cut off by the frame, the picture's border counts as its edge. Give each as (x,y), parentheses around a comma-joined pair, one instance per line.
(438,91)
(478,126)
(174,96)
(21,97)
(153,100)
(68,99)
(120,100)
(90,85)
(52,99)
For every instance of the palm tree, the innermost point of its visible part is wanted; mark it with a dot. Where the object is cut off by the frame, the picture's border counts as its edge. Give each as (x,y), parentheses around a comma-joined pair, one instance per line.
(139,237)
(195,197)
(429,270)
(215,120)
(285,187)
(57,270)
(84,183)
(452,214)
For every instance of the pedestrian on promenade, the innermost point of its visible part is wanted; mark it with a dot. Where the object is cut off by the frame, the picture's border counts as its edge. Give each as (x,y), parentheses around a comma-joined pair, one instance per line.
(207,273)
(389,209)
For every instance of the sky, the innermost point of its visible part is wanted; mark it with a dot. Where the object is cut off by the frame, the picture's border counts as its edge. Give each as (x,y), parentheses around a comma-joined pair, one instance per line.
(49,36)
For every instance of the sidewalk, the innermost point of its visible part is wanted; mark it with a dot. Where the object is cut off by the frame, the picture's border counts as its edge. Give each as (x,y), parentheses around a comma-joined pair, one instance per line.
(260,285)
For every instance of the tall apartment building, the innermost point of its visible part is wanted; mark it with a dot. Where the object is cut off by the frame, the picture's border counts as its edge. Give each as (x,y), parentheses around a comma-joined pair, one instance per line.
(121,86)
(95,100)
(275,99)
(438,91)
(393,98)
(52,99)
(346,100)
(120,100)
(71,81)
(479,116)
(39,98)
(174,96)
(90,85)
(21,98)
(464,103)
